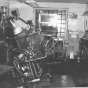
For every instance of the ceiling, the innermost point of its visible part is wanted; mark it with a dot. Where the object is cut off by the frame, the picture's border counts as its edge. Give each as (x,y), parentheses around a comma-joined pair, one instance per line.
(65,1)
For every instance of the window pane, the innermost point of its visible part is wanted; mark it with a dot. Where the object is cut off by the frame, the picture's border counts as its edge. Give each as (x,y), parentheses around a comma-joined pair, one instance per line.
(58,26)
(45,18)
(63,21)
(59,17)
(59,12)
(59,21)
(62,34)
(63,12)
(63,25)
(62,30)
(64,17)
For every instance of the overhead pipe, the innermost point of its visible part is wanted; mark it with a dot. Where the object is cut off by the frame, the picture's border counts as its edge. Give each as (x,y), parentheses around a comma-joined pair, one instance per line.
(31,3)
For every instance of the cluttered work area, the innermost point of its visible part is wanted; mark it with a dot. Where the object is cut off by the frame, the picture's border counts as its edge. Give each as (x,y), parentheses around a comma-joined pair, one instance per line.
(43,44)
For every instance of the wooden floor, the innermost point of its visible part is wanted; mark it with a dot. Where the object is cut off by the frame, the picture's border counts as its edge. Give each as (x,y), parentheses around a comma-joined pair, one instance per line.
(65,74)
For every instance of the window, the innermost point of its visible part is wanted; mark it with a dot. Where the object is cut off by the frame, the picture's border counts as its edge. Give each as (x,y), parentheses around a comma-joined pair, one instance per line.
(55,18)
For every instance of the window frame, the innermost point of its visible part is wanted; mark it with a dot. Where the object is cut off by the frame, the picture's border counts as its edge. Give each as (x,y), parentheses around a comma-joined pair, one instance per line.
(59,10)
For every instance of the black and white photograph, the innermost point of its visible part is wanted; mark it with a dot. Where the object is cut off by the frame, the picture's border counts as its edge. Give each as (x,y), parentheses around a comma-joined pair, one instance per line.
(43,43)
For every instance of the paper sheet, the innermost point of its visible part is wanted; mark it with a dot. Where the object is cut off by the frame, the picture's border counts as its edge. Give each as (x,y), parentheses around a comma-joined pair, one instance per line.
(73,36)
(71,55)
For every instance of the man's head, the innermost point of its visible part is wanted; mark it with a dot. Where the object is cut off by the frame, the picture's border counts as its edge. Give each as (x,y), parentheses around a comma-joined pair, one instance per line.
(15,13)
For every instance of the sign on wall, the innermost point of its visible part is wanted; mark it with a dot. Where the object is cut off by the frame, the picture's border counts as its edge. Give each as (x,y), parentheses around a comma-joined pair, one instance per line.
(72,19)
(72,24)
